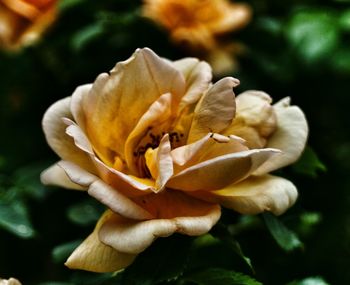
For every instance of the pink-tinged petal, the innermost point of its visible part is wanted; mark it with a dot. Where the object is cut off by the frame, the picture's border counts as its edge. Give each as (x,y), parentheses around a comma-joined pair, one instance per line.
(210,146)
(156,120)
(220,171)
(176,213)
(290,136)
(55,133)
(56,176)
(107,195)
(257,194)
(76,105)
(117,101)
(215,111)
(198,76)
(93,255)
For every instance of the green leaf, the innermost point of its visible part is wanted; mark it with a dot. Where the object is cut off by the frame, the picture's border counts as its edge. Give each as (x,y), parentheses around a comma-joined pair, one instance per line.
(85,213)
(308,221)
(86,35)
(165,260)
(310,281)
(64,5)
(218,276)
(285,238)
(314,34)
(340,61)
(14,218)
(61,252)
(27,181)
(344,20)
(309,164)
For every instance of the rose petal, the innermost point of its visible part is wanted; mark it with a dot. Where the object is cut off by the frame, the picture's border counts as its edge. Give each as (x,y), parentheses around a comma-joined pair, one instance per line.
(176,212)
(107,195)
(76,105)
(234,16)
(164,163)
(93,255)
(158,116)
(198,76)
(220,171)
(55,128)
(215,110)
(117,101)
(290,136)
(258,194)
(56,176)
(210,146)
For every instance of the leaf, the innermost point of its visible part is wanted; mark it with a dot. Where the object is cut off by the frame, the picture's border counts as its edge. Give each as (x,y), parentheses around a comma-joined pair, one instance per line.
(310,281)
(86,35)
(344,20)
(27,181)
(285,238)
(61,252)
(64,5)
(314,34)
(85,213)
(309,164)
(165,260)
(218,276)
(14,218)
(308,221)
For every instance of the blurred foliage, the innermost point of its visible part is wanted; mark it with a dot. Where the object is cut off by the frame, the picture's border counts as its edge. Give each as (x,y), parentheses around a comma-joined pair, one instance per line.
(294,48)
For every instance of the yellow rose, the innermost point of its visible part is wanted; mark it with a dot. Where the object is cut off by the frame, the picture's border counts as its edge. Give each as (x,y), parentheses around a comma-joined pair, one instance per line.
(162,147)
(11,281)
(23,21)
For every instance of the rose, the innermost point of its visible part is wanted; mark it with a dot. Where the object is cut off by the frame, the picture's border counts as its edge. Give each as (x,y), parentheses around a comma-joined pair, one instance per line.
(198,25)
(11,281)
(23,21)
(162,147)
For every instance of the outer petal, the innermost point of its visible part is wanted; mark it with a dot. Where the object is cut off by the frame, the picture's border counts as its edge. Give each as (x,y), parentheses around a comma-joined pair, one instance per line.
(93,255)
(175,211)
(290,136)
(76,105)
(117,101)
(220,171)
(107,195)
(55,128)
(198,76)
(215,110)
(56,176)
(257,194)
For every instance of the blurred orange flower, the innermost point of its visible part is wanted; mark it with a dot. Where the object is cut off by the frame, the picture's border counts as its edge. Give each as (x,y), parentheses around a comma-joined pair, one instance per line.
(196,24)
(23,21)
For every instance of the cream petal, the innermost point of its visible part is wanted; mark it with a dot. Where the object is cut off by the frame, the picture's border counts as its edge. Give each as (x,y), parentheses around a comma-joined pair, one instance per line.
(220,171)
(176,213)
(198,76)
(107,195)
(76,105)
(93,255)
(215,111)
(54,128)
(258,194)
(210,146)
(117,101)
(56,176)
(290,136)
(80,139)
(164,163)
(160,112)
